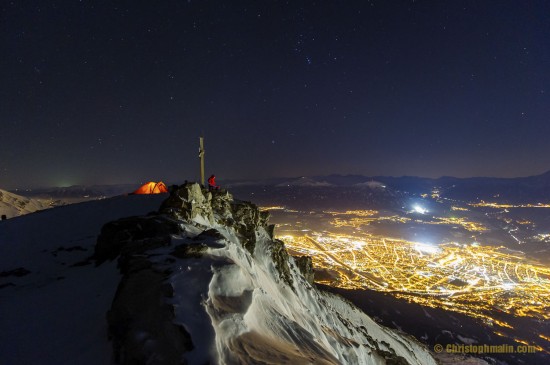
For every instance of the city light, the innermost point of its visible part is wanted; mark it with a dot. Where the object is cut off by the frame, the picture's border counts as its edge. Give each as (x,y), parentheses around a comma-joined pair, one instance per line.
(419,209)
(466,275)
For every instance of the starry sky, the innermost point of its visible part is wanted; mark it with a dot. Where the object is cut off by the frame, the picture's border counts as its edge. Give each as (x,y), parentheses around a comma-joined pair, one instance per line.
(103,92)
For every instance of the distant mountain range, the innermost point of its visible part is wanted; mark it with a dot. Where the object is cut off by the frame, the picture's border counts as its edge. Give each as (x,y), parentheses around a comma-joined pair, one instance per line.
(522,189)
(529,189)
(350,180)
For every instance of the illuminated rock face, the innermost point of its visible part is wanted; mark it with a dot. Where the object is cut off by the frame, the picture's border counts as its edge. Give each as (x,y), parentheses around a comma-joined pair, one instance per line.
(213,286)
(305,265)
(187,202)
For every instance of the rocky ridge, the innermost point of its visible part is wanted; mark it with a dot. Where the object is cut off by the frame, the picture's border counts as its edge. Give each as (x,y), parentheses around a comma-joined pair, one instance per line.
(204,281)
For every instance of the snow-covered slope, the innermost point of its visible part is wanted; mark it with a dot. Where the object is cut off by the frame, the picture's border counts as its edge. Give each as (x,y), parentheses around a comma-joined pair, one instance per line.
(201,281)
(13,205)
(52,301)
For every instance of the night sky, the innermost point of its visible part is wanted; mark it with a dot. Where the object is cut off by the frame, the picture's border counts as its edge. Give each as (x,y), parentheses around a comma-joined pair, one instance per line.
(101,92)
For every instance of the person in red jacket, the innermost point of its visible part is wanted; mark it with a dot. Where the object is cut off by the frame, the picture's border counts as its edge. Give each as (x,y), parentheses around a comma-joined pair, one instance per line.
(212,183)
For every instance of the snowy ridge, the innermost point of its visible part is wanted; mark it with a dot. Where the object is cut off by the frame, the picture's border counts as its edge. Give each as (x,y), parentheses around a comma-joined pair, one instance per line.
(241,306)
(297,324)
(13,205)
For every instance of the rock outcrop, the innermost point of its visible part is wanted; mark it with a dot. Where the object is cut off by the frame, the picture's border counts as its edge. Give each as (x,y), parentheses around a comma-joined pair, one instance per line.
(141,323)
(133,235)
(305,265)
(187,202)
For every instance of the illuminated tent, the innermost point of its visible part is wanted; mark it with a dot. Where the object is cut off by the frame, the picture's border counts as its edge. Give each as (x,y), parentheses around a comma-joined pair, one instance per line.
(152,188)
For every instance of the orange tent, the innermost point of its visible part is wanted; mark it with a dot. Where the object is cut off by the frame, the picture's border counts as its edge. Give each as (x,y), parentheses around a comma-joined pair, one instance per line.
(152,188)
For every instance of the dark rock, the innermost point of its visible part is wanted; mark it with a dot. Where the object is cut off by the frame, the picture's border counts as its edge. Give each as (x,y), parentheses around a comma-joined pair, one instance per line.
(392,358)
(271,231)
(209,233)
(221,205)
(85,262)
(247,219)
(305,265)
(187,202)
(280,258)
(146,244)
(133,263)
(2,286)
(20,271)
(141,324)
(116,235)
(189,251)
(210,237)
